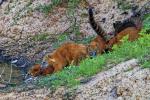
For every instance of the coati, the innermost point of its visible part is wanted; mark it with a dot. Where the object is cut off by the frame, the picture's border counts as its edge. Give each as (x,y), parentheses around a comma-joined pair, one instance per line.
(129,27)
(37,70)
(67,54)
(98,44)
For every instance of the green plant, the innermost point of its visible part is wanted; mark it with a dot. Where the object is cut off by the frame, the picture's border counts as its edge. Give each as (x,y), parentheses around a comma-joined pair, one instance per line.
(123,4)
(47,8)
(146,64)
(61,39)
(86,40)
(40,37)
(146,26)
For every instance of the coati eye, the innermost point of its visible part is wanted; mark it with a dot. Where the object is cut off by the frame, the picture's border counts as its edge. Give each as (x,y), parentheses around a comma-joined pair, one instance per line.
(36,69)
(93,53)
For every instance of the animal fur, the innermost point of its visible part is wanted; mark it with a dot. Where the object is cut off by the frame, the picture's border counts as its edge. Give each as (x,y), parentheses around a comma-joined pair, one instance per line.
(132,33)
(96,27)
(130,27)
(119,26)
(98,44)
(67,54)
(38,70)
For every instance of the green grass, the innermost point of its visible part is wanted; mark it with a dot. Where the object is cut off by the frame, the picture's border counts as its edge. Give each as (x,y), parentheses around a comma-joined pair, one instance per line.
(146,64)
(40,37)
(70,76)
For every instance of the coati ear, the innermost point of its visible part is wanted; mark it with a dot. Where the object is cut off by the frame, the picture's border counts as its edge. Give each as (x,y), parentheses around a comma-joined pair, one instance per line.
(88,47)
(117,24)
(53,60)
(114,25)
(49,56)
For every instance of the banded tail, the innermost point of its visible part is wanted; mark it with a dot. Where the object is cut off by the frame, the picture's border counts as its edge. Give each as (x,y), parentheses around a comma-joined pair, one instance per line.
(120,26)
(97,28)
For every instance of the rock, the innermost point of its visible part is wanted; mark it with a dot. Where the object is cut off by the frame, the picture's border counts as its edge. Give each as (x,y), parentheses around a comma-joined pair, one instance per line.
(1,1)
(2,85)
(22,63)
(117,83)
(5,58)
(113,92)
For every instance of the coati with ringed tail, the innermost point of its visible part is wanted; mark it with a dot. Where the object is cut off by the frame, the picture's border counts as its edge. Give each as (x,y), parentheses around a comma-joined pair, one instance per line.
(98,44)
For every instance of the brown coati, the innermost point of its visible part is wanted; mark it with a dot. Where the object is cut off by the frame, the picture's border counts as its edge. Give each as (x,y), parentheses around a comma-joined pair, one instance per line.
(134,22)
(131,27)
(37,70)
(69,53)
(98,44)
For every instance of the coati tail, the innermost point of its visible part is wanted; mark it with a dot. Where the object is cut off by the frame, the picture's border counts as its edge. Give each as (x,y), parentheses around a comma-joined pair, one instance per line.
(119,26)
(98,29)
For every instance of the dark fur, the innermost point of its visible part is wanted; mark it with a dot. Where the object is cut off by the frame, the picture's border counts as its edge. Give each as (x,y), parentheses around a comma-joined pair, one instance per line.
(98,44)
(119,26)
(98,29)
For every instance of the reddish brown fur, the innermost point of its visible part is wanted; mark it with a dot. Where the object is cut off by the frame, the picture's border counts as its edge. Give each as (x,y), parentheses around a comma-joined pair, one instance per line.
(66,54)
(38,70)
(132,33)
(98,45)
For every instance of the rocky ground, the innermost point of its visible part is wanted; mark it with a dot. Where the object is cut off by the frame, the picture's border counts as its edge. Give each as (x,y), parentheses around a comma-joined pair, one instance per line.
(125,81)
(21,22)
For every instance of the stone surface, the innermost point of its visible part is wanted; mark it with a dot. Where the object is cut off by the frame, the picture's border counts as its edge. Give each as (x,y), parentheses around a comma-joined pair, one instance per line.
(126,80)
(2,85)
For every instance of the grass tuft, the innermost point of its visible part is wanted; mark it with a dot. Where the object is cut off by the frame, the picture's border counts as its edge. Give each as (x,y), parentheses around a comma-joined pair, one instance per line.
(40,37)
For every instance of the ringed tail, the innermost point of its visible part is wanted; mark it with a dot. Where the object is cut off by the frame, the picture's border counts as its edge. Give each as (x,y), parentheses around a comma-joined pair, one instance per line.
(97,28)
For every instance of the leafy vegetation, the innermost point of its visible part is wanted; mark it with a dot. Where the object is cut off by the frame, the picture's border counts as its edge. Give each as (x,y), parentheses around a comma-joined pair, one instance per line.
(146,64)
(123,4)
